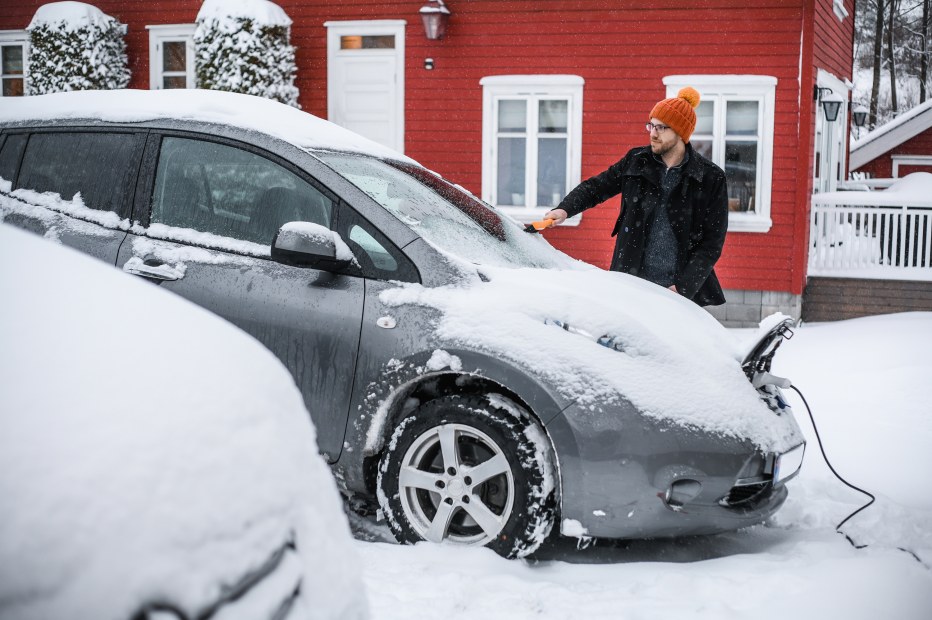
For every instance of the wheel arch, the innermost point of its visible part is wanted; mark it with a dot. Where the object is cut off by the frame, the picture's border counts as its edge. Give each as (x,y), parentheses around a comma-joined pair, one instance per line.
(492,376)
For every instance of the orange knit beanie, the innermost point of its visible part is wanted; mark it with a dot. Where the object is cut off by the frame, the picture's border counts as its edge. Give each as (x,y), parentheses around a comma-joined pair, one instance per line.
(679,112)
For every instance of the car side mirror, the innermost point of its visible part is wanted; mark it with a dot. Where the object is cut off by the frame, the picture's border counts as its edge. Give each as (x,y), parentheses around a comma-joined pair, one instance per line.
(304,244)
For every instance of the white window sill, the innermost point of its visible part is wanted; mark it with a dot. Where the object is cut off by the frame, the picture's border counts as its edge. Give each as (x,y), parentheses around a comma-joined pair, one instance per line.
(526,215)
(748,223)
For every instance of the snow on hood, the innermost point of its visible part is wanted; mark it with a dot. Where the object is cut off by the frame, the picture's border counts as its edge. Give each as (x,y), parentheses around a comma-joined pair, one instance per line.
(149,451)
(675,362)
(244,111)
(70,16)
(261,12)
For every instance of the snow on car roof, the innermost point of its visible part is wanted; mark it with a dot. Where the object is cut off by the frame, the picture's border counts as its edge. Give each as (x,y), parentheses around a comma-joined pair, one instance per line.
(149,451)
(244,111)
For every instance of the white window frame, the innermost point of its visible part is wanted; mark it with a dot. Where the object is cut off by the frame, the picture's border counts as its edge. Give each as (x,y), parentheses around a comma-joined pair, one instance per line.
(531,88)
(723,88)
(170,33)
(909,160)
(840,11)
(14,37)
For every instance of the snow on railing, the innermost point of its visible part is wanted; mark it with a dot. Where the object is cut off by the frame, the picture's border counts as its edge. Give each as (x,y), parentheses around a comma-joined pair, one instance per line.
(882,235)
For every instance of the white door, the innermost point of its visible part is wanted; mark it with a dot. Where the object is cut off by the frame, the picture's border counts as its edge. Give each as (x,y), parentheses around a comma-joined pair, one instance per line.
(365,79)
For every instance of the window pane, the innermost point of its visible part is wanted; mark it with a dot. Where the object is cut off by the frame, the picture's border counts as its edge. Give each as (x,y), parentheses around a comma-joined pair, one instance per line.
(741,172)
(512,160)
(10,155)
(357,42)
(173,56)
(230,192)
(741,118)
(12,87)
(512,115)
(705,118)
(552,116)
(99,166)
(174,81)
(12,59)
(703,147)
(380,257)
(551,171)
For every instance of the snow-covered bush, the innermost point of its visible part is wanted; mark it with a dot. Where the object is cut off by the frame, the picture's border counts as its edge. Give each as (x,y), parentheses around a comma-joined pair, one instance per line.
(242,46)
(75,46)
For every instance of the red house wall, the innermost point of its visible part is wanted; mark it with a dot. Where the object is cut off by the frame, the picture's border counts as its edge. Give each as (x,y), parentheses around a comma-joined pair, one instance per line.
(622,50)
(882,167)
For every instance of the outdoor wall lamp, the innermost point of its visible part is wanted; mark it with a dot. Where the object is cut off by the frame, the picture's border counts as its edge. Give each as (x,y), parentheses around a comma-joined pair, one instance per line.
(859,116)
(831,103)
(435,16)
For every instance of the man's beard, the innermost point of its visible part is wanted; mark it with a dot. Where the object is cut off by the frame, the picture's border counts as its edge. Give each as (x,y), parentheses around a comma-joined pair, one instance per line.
(659,149)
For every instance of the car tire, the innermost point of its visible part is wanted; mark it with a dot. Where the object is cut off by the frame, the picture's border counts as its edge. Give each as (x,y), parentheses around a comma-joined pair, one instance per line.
(470,470)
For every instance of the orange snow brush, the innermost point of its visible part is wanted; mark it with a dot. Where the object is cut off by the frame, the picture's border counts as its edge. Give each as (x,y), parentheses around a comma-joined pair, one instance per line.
(536,227)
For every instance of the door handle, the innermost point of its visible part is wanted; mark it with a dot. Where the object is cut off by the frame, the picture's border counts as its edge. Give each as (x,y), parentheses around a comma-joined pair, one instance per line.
(154,269)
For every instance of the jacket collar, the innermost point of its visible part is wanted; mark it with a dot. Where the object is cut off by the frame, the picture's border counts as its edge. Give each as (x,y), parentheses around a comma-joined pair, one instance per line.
(647,165)
(694,166)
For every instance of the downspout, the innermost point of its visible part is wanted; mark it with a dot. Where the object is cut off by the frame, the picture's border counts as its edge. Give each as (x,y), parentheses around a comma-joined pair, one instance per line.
(806,129)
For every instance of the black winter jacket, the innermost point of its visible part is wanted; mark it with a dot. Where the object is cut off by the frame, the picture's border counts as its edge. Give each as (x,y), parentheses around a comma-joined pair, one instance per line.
(698,215)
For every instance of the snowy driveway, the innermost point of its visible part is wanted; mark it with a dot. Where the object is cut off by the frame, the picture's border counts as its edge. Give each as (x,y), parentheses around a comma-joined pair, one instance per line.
(866,381)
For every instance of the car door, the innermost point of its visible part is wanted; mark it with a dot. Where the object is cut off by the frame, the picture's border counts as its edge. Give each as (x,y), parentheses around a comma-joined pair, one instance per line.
(78,183)
(214,207)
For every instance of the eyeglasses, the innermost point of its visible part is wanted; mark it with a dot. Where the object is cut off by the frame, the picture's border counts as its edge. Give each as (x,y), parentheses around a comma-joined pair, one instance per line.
(658,128)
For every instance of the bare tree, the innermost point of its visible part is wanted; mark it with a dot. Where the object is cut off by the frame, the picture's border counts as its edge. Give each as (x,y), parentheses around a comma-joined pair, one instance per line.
(893,4)
(924,51)
(878,61)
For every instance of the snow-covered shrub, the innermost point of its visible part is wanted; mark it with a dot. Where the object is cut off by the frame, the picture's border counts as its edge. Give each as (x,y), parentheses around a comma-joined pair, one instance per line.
(75,46)
(242,46)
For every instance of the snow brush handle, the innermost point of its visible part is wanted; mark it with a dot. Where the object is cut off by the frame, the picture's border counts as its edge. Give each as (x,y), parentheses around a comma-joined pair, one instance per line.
(535,227)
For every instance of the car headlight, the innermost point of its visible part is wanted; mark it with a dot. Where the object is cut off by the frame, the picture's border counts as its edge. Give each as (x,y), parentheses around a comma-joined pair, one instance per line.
(787,464)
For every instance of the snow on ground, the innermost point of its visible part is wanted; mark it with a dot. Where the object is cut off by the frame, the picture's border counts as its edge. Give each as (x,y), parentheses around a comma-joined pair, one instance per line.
(866,381)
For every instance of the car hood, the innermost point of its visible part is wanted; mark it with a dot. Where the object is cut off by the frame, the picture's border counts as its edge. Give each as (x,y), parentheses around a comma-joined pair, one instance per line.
(599,337)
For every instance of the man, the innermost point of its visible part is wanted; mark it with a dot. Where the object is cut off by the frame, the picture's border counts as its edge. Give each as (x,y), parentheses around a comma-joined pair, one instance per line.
(674,211)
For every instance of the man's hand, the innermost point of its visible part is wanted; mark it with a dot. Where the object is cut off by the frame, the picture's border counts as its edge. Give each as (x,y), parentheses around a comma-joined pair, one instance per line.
(672,287)
(557,215)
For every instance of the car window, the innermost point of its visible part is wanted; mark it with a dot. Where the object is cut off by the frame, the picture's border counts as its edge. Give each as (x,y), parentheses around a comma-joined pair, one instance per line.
(100,166)
(227,191)
(378,257)
(10,155)
(445,215)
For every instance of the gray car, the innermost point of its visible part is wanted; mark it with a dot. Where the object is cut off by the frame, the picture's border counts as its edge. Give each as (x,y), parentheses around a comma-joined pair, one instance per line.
(467,381)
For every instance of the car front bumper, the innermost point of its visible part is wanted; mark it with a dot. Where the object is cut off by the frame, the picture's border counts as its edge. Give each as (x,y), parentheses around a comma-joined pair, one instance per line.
(625,476)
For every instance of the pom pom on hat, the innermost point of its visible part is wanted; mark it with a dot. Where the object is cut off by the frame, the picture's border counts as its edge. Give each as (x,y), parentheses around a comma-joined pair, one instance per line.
(679,112)
(690,94)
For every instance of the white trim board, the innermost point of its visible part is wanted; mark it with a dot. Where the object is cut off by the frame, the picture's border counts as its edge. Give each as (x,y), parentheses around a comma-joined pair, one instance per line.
(889,136)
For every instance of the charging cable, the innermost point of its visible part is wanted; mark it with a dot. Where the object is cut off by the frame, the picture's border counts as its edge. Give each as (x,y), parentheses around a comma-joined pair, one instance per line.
(837,475)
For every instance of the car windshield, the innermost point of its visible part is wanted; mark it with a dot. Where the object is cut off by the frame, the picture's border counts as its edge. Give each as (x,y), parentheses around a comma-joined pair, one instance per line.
(445,215)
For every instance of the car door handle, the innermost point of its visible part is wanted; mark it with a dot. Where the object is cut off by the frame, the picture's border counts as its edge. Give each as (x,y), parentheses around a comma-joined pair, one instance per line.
(153,268)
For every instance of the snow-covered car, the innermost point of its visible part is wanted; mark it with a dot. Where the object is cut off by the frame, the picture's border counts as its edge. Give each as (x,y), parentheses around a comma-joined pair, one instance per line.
(468,381)
(155,461)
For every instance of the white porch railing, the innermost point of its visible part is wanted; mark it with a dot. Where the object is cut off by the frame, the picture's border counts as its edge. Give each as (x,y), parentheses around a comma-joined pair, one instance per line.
(881,235)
